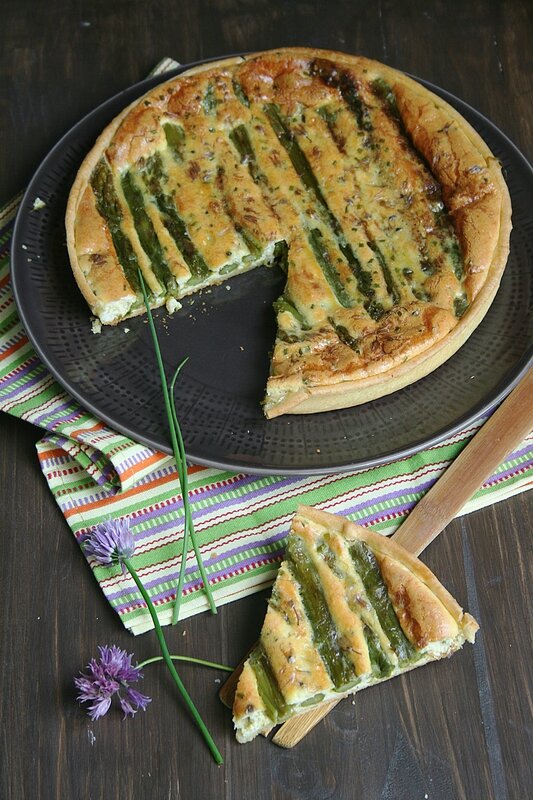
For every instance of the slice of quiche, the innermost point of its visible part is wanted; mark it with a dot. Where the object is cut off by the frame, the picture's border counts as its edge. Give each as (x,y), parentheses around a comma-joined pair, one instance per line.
(349,608)
(385,208)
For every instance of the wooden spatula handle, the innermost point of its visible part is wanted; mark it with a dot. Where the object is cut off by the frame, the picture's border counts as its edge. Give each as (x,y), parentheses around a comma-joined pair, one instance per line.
(505,429)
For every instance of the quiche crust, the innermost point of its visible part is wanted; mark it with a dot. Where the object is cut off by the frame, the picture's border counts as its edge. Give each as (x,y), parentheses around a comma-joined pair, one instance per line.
(304,157)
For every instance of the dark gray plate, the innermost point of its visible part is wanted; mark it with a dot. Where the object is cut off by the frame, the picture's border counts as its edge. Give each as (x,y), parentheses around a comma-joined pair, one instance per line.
(228,333)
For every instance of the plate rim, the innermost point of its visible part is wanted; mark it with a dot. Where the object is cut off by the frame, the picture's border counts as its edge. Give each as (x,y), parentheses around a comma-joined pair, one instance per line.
(129,94)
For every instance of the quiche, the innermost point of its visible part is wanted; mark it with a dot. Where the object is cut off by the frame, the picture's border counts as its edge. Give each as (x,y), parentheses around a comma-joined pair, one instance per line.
(349,609)
(386,210)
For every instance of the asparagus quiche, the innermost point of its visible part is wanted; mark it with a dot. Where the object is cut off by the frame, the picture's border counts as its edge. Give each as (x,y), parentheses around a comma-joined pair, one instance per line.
(387,211)
(349,608)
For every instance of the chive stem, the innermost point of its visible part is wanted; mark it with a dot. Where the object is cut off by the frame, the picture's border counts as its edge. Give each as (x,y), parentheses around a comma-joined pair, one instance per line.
(187,659)
(189,525)
(181,464)
(184,483)
(168,660)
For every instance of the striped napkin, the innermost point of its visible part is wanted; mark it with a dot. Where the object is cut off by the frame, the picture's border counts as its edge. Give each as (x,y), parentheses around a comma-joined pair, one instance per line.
(241,521)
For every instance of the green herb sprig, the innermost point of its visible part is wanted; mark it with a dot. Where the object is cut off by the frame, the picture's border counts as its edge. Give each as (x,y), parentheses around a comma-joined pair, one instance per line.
(178,449)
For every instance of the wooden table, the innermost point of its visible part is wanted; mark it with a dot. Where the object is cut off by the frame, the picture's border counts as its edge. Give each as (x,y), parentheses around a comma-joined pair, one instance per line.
(456,729)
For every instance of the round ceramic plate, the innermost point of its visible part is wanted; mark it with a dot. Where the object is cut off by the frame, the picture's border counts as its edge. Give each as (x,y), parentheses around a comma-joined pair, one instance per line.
(227,333)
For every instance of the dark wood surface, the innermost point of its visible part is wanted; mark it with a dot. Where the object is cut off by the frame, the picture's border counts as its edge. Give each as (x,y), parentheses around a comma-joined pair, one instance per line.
(456,729)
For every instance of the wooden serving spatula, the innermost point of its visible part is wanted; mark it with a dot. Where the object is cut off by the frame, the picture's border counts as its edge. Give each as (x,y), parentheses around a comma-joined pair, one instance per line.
(505,429)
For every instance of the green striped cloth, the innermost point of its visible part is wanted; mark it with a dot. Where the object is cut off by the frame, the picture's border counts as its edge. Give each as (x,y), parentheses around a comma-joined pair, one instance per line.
(241,520)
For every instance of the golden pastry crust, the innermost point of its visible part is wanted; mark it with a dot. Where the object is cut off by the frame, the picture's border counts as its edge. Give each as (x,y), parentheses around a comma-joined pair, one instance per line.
(393,212)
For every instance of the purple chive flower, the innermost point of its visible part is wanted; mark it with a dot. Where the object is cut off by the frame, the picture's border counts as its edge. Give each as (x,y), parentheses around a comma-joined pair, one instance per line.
(109,676)
(111,542)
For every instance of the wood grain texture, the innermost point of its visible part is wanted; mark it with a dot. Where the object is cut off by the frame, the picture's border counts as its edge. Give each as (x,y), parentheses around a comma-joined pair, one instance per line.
(455,729)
